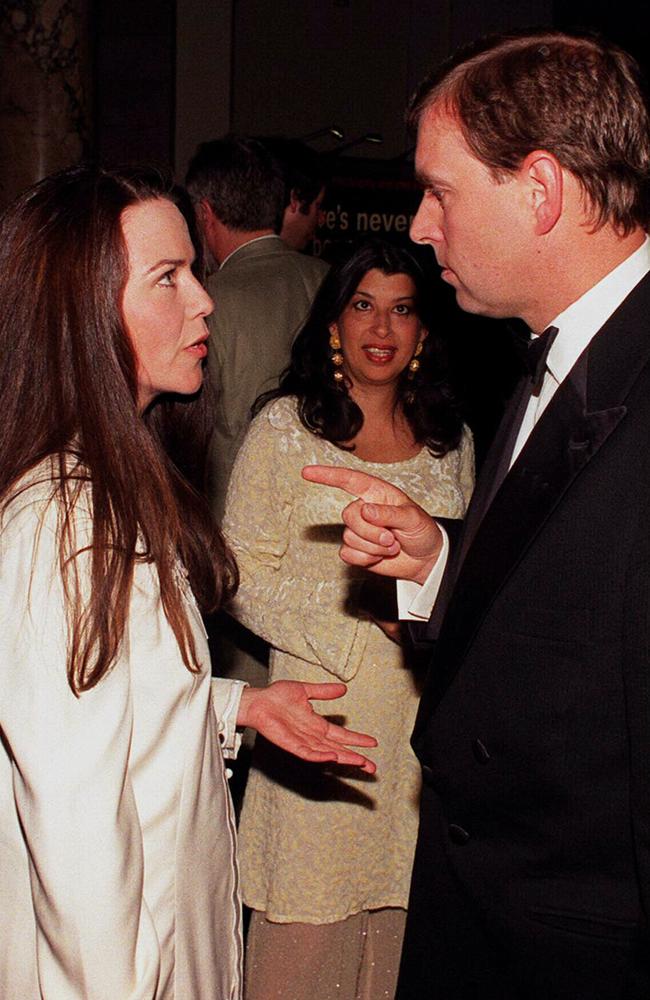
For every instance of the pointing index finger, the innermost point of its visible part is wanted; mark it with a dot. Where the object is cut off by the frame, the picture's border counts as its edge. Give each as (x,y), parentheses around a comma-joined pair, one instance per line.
(357,484)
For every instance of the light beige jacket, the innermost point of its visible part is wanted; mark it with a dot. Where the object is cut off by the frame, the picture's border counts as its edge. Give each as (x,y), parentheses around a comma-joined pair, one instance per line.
(262,295)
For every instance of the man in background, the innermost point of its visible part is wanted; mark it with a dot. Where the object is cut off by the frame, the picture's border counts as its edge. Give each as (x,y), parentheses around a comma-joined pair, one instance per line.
(262,289)
(305,179)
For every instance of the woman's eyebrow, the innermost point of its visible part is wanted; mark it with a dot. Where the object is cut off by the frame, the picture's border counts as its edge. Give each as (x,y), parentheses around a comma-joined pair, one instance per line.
(369,295)
(169,262)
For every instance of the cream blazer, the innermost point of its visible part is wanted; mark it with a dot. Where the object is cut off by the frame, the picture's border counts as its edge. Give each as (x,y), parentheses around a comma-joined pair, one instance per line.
(117,838)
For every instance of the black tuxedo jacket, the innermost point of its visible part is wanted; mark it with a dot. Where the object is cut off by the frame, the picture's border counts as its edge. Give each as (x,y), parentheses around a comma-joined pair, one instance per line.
(534,728)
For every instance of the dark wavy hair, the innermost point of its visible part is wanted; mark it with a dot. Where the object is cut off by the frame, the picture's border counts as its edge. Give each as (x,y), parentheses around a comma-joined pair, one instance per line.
(68,386)
(325,407)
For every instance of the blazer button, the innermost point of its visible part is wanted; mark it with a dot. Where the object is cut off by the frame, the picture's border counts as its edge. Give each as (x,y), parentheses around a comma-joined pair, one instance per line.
(458,834)
(427,774)
(480,751)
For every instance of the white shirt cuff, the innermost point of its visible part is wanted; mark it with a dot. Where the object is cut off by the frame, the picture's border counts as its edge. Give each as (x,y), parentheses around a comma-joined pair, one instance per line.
(226,695)
(415,601)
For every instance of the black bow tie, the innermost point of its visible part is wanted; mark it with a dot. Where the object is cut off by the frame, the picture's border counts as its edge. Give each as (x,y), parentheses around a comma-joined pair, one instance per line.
(536,356)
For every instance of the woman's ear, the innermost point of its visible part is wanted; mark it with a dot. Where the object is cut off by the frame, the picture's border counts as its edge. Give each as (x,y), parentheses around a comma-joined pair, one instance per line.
(544,175)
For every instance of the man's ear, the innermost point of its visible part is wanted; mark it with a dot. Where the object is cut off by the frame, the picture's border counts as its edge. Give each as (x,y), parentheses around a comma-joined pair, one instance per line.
(204,212)
(545,177)
(294,205)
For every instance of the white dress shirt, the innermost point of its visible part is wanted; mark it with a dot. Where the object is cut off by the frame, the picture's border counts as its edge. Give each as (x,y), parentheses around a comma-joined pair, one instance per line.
(577,325)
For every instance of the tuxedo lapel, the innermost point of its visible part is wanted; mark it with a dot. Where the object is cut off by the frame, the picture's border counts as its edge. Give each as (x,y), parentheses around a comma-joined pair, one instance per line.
(479,503)
(583,413)
(493,467)
(563,441)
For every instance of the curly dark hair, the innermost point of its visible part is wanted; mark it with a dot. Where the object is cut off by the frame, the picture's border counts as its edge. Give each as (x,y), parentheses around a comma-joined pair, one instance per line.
(325,407)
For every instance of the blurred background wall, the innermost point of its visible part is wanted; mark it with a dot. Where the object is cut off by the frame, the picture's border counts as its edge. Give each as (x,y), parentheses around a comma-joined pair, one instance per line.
(125,80)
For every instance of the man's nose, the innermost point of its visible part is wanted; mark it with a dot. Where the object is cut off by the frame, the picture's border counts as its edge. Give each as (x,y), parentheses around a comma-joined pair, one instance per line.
(425,227)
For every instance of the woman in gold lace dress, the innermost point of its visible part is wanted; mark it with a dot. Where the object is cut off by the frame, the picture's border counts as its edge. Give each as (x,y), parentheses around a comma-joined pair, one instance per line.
(326,854)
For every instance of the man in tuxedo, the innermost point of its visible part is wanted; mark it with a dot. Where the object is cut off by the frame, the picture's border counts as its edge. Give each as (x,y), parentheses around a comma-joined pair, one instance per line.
(532,873)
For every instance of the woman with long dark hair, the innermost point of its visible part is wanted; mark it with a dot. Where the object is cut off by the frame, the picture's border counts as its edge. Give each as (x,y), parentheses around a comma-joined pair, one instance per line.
(117,845)
(327,856)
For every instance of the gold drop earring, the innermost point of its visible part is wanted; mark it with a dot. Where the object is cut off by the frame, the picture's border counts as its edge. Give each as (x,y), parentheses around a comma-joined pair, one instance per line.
(414,364)
(336,358)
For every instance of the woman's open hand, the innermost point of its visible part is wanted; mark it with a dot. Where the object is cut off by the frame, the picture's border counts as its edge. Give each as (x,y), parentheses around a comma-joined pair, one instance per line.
(283,714)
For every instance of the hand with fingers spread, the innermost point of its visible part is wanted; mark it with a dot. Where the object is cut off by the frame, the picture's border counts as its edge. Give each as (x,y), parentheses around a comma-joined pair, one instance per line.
(385,531)
(282,713)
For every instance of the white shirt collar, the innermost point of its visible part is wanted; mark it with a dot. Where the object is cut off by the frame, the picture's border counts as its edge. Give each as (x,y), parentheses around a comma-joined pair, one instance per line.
(269,236)
(582,320)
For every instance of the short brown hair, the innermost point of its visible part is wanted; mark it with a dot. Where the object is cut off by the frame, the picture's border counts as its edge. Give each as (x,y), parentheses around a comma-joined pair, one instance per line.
(242,182)
(577,96)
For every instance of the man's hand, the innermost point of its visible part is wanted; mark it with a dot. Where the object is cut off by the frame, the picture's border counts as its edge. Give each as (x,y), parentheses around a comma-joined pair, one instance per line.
(385,531)
(283,714)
